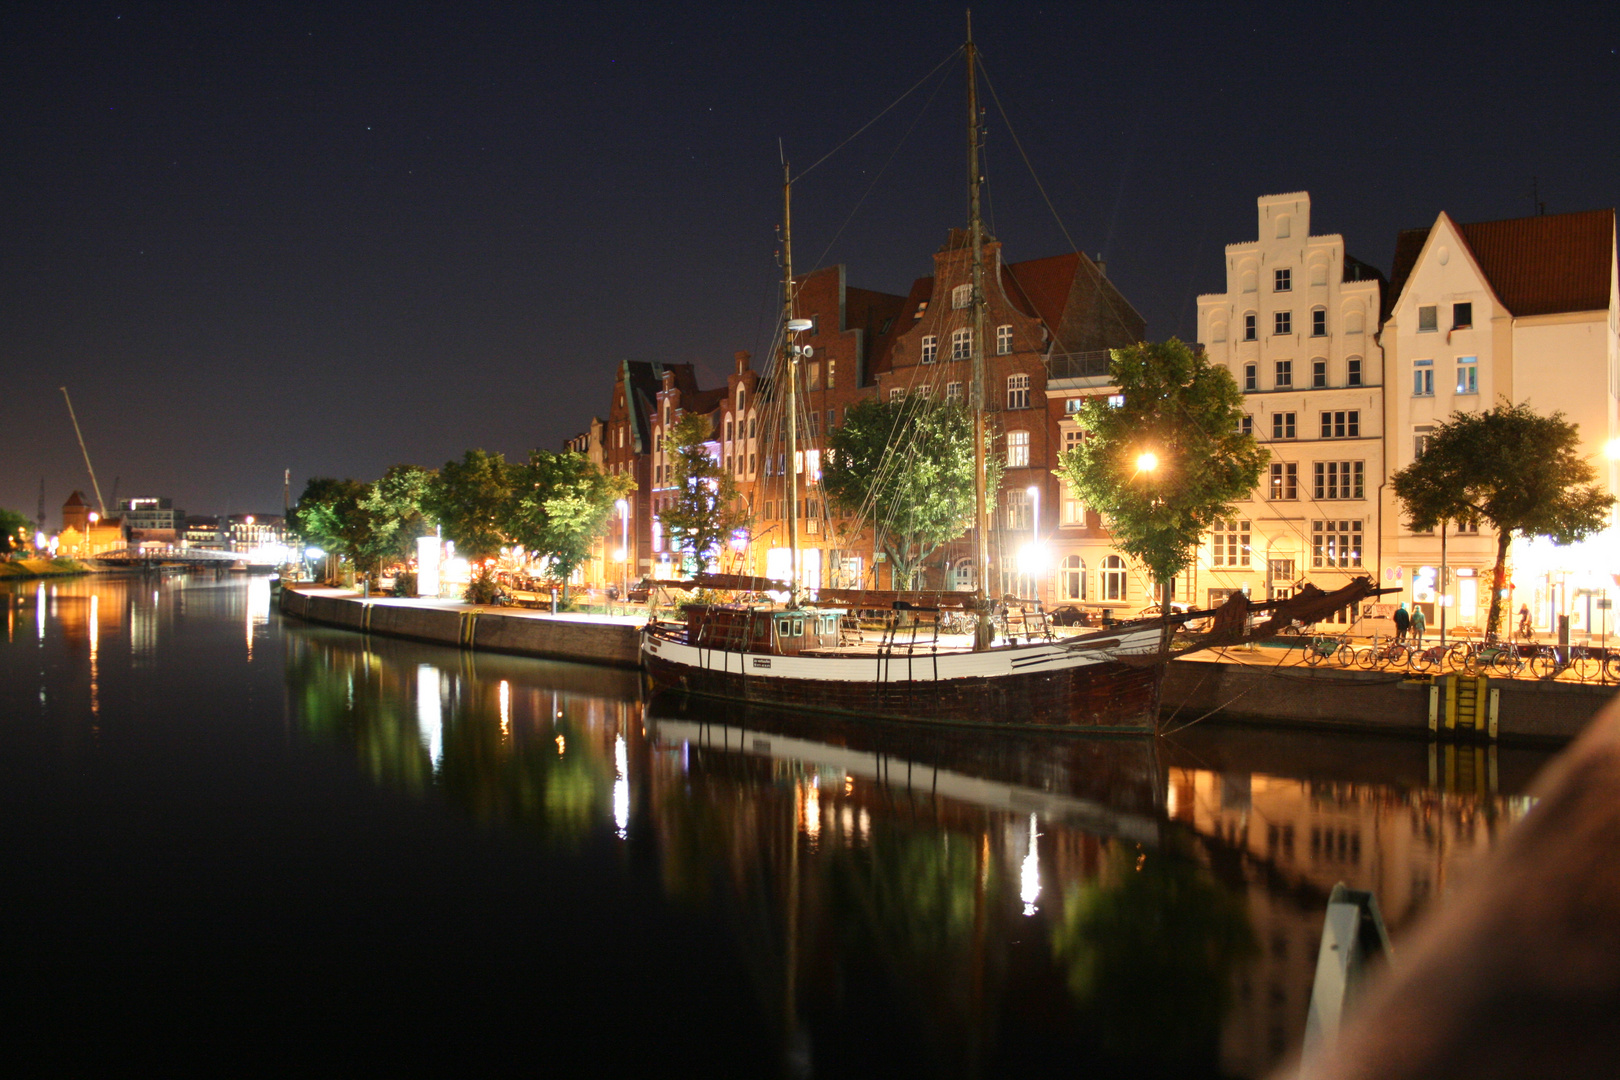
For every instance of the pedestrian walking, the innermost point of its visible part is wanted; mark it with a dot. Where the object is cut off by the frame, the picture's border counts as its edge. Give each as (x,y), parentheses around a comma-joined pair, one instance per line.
(1402,621)
(1419,624)
(1525,630)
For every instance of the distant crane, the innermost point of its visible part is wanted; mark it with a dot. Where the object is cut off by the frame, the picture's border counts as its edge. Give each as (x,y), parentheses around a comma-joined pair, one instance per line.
(86,453)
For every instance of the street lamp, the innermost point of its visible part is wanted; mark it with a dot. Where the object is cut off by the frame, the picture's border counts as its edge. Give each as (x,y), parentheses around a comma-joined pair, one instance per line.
(624,545)
(1147,461)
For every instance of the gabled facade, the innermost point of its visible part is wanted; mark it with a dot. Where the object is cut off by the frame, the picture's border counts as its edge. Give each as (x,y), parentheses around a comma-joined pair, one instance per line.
(1297,327)
(1523,310)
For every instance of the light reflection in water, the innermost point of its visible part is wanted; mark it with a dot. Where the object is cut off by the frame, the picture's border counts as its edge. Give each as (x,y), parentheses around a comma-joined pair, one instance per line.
(39,616)
(812,810)
(258,608)
(1030,872)
(506,710)
(95,654)
(621,788)
(429,713)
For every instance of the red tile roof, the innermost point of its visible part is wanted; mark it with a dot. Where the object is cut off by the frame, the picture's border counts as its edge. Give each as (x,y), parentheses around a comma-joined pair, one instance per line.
(1041,287)
(1537,265)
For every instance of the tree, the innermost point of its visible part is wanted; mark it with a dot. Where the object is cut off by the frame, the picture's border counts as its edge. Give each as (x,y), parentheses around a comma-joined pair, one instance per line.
(472,499)
(706,509)
(909,464)
(1513,469)
(395,503)
(1185,412)
(13,531)
(560,504)
(328,515)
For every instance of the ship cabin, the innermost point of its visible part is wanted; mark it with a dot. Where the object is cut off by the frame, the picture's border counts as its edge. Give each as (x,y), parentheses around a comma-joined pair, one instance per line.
(761,630)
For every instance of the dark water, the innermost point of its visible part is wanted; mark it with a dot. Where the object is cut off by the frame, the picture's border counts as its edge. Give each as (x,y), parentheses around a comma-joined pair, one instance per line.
(233,841)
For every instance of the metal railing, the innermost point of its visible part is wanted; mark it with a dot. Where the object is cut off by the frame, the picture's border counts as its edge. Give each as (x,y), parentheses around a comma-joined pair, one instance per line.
(1091,364)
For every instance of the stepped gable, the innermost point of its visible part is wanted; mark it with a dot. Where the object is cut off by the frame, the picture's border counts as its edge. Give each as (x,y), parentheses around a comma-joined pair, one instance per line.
(1541,265)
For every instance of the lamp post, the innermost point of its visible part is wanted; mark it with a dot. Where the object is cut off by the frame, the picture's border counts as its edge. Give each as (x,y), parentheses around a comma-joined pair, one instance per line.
(624,547)
(1034,492)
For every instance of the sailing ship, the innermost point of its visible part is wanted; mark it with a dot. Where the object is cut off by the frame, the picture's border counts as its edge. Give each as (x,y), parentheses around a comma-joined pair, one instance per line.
(811,649)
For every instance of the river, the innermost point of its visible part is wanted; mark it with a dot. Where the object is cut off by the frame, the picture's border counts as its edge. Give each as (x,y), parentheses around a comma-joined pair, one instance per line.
(231,839)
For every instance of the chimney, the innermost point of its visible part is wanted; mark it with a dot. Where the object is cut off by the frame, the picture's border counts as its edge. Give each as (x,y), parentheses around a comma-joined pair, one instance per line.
(742,357)
(1102,267)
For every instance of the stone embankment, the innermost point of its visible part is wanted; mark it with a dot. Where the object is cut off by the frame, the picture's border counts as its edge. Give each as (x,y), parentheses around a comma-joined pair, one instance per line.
(1261,686)
(21,569)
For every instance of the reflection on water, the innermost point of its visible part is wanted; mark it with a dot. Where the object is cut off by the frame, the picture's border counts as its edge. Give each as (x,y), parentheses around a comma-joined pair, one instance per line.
(923,897)
(904,901)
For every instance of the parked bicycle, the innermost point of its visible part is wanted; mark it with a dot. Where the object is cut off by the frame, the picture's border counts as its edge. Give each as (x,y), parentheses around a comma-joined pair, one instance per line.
(1551,661)
(1325,647)
(1385,654)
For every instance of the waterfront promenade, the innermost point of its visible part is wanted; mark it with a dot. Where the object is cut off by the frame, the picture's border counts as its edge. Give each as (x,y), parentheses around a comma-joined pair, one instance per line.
(1265,685)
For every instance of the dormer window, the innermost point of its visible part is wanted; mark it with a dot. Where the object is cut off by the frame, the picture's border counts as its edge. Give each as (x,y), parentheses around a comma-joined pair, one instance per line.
(961,296)
(922,307)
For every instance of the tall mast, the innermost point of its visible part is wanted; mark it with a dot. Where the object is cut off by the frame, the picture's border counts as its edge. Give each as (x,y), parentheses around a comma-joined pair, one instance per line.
(95,486)
(790,369)
(981,512)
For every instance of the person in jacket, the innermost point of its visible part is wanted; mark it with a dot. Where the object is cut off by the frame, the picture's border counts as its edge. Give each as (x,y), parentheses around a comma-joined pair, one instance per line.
(1419,624)
(1402,621)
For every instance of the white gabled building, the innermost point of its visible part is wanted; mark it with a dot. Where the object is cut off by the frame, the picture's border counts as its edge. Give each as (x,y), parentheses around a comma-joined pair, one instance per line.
(1297,328)
(1523,310)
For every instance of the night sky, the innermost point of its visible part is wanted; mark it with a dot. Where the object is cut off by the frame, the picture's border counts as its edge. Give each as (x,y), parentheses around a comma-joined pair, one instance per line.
(334,237)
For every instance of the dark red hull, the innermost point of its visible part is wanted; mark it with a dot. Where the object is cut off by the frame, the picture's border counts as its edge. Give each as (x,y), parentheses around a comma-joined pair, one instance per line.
(1113,696)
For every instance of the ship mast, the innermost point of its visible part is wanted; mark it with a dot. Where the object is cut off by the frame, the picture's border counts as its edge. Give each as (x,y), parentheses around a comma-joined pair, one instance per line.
(790,370)
(87,466)
(981,516)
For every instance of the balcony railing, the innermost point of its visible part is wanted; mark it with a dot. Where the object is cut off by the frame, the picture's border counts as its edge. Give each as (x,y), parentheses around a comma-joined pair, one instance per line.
(1078,365)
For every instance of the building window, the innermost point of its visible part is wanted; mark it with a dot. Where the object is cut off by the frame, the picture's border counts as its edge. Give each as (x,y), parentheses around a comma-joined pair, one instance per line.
(1283,322)
(1251,378)
(1352,371)
(1282,425)
(1319,322)
(1074,511)
(953,391)
(728,429)
(1018,391)
(751,460)
(1018,449)
(1072,578)
(962,296)
(832,420)
(1004,339)
(1284,481)
(1231,543)
(814,378)
(1018,516)
(1338,480)
(1344,424)
(896,394)
(1285,374)
(1462,316)
(1420,439)
(831,365)
(1318,374)
(1282,280)
(1245,424)
(930,348)
(1423,378)
(1113,578)
(1467,374)
(1072,438)
(962,344)
(1249,327)
(1116,401)
(815,423)
(1427,318)
(1336,544)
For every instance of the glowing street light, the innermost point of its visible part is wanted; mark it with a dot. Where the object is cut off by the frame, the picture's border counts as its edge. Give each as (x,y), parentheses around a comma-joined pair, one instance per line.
(1147,461)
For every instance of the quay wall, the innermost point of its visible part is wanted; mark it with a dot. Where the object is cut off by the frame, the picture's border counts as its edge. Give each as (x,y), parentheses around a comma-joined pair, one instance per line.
(472,627)
(1529,710)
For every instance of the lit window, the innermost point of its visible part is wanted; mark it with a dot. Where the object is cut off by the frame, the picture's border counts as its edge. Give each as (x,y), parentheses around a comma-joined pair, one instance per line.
(1018,515)
(1283,322)
(1420,439)
(1338,480)
(1336,544)
(930,348)
(1467,374)
(1284,480)
(1113,578)
(1017,449)
(1074,511)
(961,296)
(1230,541)
(1423,378)
(831,366)
(1282,280)
(1116,401)
(962,344)
(896,394)
(1018,391)
(1072,578)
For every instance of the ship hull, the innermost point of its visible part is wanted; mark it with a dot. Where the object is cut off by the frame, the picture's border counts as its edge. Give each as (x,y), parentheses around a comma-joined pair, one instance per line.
(1039,687)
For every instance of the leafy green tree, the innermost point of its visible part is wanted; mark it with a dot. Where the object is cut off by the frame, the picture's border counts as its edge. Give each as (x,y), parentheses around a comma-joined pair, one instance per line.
(561,503)
(706,508)
(472,500)
(395,505)
(1511,468)
(14,530)
(1184,411)
(328,515)
(909,464)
